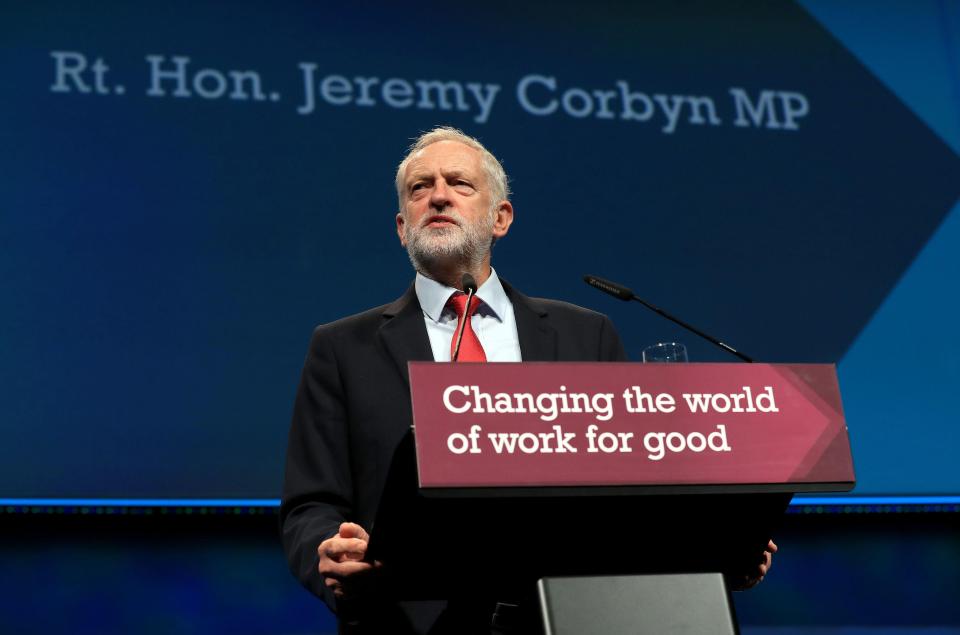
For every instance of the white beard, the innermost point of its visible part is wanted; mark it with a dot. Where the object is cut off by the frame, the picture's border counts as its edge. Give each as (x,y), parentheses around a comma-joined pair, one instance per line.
(467,244)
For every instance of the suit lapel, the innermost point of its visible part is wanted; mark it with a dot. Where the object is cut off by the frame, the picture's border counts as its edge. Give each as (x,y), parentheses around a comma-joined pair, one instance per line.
(538,340)
(404,333)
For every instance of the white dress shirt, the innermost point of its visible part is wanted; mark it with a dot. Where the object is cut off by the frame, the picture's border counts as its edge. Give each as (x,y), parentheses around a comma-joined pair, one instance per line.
(494,322)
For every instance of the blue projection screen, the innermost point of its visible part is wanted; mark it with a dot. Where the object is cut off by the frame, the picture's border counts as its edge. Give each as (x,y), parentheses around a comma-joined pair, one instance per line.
(186,189)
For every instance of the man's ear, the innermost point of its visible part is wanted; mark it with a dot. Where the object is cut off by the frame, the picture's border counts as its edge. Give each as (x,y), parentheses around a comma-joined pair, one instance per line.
(503,219)
(400,225)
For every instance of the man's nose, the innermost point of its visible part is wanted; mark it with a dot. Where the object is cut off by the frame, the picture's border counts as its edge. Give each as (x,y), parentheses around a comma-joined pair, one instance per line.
(440,195)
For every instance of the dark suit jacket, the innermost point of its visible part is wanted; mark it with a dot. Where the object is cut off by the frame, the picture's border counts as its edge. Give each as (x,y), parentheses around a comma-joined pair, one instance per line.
(353,407)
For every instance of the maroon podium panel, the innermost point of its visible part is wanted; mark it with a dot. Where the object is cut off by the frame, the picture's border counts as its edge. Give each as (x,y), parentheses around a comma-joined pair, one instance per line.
(560,424)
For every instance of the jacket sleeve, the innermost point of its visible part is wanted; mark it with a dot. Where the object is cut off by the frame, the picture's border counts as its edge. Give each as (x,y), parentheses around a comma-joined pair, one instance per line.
(318,486)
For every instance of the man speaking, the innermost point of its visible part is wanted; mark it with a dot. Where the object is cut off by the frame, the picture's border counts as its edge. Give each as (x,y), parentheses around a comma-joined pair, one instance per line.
(353,402)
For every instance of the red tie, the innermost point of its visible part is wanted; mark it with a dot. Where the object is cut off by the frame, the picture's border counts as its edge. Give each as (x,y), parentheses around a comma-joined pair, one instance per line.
(470,348)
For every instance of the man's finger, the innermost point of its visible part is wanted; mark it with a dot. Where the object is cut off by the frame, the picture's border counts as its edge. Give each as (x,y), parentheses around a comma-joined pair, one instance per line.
(353,530)
(343,570)
(337,547)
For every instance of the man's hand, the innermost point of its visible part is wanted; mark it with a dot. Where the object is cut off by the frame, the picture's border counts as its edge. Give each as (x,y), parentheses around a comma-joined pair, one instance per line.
(341,560)
(756,576)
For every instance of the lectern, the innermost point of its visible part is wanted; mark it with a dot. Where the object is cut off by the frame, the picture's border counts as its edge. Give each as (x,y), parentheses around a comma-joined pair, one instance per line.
(616,495)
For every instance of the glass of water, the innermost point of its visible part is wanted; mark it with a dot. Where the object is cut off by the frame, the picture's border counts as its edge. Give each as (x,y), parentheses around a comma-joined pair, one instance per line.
(665,352)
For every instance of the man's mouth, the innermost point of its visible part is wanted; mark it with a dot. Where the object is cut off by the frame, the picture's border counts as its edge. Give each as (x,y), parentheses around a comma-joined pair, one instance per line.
(440,220)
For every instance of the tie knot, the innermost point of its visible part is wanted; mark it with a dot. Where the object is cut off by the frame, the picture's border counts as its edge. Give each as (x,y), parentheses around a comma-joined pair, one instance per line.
(458,301)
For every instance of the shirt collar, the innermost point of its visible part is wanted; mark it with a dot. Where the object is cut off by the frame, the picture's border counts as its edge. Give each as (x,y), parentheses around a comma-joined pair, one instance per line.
(433,296)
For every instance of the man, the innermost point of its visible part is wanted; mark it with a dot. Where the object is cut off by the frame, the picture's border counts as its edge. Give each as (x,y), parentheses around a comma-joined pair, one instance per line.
(353,404)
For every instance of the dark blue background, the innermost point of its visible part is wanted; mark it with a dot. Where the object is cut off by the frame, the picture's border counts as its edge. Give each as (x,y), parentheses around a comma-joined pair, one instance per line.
(164,260)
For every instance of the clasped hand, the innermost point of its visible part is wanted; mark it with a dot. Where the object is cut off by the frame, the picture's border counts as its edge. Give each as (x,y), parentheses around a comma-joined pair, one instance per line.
(759,571)
(342,563)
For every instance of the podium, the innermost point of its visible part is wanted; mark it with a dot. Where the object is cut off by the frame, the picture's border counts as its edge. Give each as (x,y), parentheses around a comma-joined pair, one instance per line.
(580,486)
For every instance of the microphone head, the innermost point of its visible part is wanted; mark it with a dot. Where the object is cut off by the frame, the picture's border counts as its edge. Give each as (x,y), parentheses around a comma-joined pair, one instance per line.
(614,289)
(468,284)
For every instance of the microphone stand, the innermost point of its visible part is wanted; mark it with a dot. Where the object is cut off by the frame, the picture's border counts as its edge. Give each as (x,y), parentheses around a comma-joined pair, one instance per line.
(470,286)
(625,294)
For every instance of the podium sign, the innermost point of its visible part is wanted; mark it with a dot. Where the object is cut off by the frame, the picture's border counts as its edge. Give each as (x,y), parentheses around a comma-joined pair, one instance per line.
(558,424)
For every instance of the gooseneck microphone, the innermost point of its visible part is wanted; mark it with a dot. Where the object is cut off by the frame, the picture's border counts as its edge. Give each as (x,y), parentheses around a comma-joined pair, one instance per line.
(469,286)
(625,294)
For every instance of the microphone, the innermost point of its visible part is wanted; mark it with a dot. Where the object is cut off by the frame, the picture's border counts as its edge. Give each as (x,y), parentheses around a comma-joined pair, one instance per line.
(469,286)
(625,294)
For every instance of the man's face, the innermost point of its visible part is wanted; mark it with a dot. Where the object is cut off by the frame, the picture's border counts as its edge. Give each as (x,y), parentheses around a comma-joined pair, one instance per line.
(448,213)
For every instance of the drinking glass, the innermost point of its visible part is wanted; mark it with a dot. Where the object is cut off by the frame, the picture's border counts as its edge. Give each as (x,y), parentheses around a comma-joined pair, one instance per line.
(665,352)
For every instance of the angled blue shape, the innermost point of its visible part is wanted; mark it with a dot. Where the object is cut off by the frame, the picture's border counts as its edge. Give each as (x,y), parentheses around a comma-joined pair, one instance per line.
(900,378)
(912,47)
(900,375)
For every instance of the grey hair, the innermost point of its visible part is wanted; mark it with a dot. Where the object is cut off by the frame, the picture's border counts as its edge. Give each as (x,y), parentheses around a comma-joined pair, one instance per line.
(496,177)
